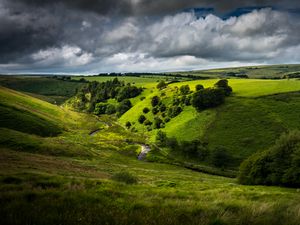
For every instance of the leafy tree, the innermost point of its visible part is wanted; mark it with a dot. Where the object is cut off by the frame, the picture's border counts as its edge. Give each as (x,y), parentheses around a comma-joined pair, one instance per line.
(155,101)
(161,138)
(199,87)
(128,124)
(223,85)
(146,110)
(161,85)
(174,111)
(110,109)
(158,123)
(208,98)
(162,107)
(100,108)
(184,89)
(141,119)
(123,107)
(155,110)
(280,165)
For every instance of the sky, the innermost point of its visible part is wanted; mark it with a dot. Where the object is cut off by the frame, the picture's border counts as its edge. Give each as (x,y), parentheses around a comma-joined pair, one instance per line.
(97,36)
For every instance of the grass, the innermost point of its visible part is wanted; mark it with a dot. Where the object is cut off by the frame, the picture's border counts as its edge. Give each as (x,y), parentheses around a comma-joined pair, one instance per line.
(71,178)
(47,89)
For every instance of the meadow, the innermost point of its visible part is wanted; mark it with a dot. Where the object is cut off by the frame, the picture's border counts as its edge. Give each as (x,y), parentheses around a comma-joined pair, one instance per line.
(59,166)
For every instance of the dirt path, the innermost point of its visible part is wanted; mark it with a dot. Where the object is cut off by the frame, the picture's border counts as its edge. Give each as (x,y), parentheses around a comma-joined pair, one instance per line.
(145,150)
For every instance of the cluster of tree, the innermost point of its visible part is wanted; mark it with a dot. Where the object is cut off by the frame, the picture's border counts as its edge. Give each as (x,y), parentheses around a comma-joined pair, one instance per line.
(291,75)
(95,93)
(205,98)
(280,165)
(234,74)
(218,157)
(67,78)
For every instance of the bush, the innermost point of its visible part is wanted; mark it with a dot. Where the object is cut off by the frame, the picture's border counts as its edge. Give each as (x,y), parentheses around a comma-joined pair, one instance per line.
(199,87)
(128,124)
(167,119)
(158,122)
(125,177)
(184,89)
(223,85)
(161,85)
(155,101)
(155,110)
(148,123)
(280,165)
(161,138)
(162,107)
(100,108)
(208,98)
(146,110)
(141,119)
(174,111)
(110,109)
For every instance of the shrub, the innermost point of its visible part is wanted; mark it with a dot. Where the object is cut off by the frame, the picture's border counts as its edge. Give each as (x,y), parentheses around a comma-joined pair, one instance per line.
(280,165)
(223,85)
(167,119)
(161,138)
(158,122)
(174,111)
(148,123)
(110,109)
(128,124)
(208,98)
(155,110)
(146,110)
(125,177)
(199,87)
(100,108)
(155,100)
(161,85)
(162,107)
(141,119)
(184,89)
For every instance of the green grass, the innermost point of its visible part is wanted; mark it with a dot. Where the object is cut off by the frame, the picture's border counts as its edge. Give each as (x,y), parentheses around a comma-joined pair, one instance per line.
(47,89)
(71,178)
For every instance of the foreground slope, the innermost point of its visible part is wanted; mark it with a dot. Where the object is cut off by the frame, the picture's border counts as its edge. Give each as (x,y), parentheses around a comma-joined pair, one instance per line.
(71,179)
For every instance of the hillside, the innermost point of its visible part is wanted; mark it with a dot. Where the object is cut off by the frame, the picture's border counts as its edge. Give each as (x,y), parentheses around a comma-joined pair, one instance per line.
(80,177)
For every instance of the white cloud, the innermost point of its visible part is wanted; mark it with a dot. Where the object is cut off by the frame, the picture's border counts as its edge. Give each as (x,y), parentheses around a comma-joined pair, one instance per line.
(67,56)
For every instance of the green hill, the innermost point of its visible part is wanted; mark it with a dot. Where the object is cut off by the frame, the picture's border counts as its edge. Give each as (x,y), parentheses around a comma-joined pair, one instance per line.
(89,174)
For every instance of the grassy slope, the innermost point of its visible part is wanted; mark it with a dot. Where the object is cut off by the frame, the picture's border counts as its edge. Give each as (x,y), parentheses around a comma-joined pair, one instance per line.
(247,122)
(50,90)
(251,71)
(67,179)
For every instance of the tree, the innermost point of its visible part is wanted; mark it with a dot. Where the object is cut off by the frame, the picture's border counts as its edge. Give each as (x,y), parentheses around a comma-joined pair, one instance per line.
(184,89)
(155,100)
(158,123)
(162,107)
(100,108)
(174,111)
(128,124)
(146,110)
(279,165)
(223,85)
(110,109)
(155,110)
(161,138)
(199,87)
(161,85)
(208,98)
(123,107)
(141,119)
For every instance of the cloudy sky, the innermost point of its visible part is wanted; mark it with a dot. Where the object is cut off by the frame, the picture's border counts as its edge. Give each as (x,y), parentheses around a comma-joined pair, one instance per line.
(93,36)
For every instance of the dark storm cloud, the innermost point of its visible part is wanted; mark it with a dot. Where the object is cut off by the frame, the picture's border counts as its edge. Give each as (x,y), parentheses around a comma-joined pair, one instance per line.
(156,7)
(90,35)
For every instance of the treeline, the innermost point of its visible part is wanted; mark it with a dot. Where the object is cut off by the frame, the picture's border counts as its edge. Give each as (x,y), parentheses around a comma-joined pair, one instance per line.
(279,165)
(218,157)
(67,78)
(190,76)
(96,94)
